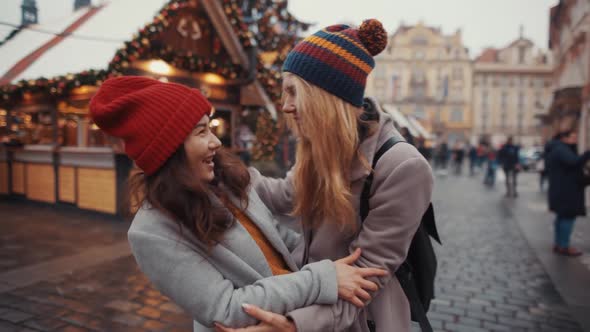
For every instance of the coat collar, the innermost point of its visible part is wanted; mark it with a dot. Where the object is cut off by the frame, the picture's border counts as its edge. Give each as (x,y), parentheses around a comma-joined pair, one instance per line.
(369,145)
(239,241)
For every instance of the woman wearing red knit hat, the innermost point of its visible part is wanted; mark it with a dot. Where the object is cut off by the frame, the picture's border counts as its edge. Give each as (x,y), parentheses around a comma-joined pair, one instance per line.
(339,135)
(201,235)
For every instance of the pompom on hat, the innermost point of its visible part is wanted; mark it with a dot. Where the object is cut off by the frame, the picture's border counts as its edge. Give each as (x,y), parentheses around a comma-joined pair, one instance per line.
(339,58)
(153,118)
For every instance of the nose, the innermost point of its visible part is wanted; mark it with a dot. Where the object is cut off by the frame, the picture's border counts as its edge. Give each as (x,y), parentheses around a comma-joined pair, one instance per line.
(289,108)
(214,143)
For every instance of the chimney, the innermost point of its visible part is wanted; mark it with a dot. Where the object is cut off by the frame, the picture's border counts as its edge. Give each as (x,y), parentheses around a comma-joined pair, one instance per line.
(81,4)
(29,13)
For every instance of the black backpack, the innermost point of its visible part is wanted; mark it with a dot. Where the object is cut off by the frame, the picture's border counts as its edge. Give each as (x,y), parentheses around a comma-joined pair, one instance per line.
(416,274)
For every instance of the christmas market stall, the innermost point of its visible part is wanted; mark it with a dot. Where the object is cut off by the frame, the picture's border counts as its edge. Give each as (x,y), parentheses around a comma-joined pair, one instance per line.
(52,152)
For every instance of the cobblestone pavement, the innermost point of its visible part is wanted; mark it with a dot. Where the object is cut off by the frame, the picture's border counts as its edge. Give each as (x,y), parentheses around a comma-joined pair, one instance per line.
(489,279)
(31,234)
(110,297)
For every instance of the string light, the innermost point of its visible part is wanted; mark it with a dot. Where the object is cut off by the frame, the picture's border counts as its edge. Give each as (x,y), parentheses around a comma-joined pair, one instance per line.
(275,30)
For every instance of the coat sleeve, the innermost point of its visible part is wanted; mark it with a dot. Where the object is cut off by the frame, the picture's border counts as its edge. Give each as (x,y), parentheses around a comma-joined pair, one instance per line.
(193,283)
(276,194)
(290,237)
(399,199)
(569,158)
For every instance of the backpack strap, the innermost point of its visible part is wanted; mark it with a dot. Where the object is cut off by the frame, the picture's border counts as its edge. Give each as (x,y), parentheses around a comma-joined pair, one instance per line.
(404,276)
(369,180)
(403,273)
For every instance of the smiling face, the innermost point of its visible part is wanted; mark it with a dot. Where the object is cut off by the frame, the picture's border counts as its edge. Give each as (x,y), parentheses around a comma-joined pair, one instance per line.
(200,147)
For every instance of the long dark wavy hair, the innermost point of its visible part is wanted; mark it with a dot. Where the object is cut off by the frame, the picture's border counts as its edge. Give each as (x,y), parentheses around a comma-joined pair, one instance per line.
(176,191)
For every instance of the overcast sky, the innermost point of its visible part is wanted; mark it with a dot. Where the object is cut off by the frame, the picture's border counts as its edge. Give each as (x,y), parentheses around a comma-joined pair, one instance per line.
(483,22)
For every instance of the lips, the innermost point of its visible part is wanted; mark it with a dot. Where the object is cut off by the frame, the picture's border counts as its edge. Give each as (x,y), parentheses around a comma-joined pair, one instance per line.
(209,160)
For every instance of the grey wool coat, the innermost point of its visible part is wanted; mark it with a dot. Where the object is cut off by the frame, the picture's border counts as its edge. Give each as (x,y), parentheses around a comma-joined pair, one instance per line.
(212,285)
(400,194)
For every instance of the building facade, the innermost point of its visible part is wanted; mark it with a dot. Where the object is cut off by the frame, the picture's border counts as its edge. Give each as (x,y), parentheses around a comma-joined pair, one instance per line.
(427,75)
(569,41)
(511,89)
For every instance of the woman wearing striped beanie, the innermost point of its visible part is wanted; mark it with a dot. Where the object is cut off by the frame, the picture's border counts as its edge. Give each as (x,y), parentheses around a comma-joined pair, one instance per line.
(339,132)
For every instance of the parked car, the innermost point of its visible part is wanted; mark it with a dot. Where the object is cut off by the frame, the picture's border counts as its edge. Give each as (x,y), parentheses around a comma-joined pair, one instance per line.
(529,157)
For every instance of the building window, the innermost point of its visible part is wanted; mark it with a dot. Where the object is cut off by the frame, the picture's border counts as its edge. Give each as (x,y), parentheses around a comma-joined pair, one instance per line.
(419,55)
(538,100)
(381,93)
(547,83)
(521,54)
(504,100)
(503,117)
(419,112)
(520,100)
(457,115)
(418,91)
(484,99)
(457,94)
(494,81)
(457,73)
(420,40)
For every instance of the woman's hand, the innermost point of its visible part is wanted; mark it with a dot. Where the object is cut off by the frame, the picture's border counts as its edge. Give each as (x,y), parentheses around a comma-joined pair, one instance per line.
(352,285)
(269,322)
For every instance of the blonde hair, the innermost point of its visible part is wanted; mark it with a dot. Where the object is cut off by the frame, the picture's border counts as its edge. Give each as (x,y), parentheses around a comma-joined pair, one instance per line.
(328,144)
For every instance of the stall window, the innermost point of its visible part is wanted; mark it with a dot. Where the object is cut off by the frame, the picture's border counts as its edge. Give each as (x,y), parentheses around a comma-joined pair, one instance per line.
(32,127)
(221,126)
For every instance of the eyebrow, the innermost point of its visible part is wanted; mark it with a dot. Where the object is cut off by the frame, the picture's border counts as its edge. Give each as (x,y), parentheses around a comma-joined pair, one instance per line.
(200,125)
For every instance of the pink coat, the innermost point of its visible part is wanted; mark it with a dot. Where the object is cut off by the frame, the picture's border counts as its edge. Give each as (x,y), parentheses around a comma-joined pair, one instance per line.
(400,194)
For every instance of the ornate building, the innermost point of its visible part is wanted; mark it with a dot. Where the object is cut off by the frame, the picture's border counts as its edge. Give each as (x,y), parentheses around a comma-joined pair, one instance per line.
(427,75)
(511,88)
(569,40)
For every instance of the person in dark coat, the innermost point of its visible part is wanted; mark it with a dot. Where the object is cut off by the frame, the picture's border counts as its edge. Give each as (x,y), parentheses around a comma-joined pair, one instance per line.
(566,188)
(472,159)
(508,156)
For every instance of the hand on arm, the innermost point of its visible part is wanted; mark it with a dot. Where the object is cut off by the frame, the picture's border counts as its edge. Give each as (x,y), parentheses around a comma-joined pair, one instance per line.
(352,287)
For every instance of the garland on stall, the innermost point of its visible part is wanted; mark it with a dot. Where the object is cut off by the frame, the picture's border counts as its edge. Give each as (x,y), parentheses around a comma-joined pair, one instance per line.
(269,27)
(146,46)
(267,138)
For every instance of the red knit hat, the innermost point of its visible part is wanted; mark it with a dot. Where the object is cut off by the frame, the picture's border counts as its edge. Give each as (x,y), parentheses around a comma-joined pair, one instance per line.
(152,117)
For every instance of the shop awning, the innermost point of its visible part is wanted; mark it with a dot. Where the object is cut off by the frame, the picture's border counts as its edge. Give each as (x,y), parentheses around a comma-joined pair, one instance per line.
(419,128)
(400,119)
(83,41)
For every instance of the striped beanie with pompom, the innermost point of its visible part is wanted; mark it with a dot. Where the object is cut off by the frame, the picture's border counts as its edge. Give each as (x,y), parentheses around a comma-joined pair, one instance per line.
(339,58)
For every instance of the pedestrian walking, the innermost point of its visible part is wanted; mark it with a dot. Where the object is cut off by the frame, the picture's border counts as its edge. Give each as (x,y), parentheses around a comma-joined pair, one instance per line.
(323,91)
(491,167)
(458,156)
(472,160)
(509,158)
(566,188)
(201,234)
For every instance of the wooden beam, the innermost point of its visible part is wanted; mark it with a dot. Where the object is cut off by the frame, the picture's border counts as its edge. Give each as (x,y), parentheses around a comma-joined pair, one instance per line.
(225,32)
